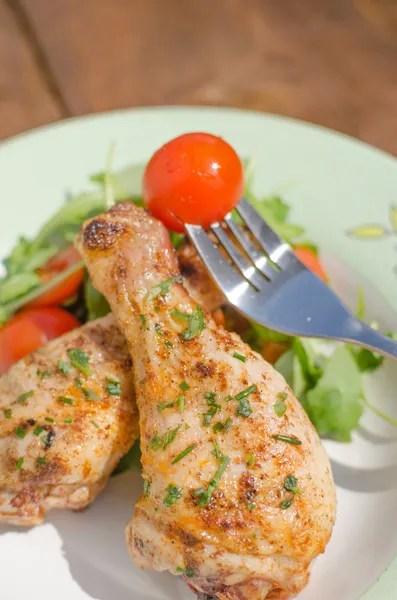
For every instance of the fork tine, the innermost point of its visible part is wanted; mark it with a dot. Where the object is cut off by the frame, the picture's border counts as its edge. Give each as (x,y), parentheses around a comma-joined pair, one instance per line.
(259,259)
(247,269)
(230,282)
(278,250)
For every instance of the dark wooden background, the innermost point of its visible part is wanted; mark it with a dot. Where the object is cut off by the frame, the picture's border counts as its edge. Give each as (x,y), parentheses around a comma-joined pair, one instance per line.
(333,62)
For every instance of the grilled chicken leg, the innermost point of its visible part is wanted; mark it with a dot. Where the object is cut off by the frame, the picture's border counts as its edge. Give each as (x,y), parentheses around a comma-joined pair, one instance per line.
(54,453)
(238,492)
(67,416)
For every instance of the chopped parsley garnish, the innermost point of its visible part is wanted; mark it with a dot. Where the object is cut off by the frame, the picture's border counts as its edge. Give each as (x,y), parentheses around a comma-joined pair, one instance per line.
(158,330)
(163,405)
(163,287)
(217,451)
(244,409)
(80,360)
(69,420)
(90,394)
(186,572)
(155,443)
(49,420)
(43,373)
(41,460)
(291,484)
(250,460)
(206,495)
(20,432)
(284,504)
(143,321)
(228,423)
(251,506)
(228,398)
(207,417)
(173,494)
(288,439)
(279,407)
(25,396)
(170,436)
(184,453)
(282,396)
(168,344)
(146,488)
(65,400)
(196,322)
(184,386)
(37,430)
(240,357)
(65,368)
(210,395)
(8,413)
(114,387)
(95,424)
(19,463)
(180,402)
(223,426)
(247,392)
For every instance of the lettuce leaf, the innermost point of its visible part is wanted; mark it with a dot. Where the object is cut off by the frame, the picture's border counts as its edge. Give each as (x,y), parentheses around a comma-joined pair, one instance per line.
(334,404)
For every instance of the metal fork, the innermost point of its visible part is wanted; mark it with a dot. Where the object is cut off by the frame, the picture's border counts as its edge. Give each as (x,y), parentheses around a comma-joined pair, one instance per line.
(262,277)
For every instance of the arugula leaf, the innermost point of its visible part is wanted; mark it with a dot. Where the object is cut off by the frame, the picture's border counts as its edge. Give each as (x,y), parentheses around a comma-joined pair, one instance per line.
(96,304)
(310,360)
(126,183)
(23,259)
(335,404)
(17,285)
(130,461)
(75,211)
(268,335)
(366,359)
(275,212)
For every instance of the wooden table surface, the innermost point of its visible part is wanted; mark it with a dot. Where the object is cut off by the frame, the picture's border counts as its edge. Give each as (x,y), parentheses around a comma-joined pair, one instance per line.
(333,62)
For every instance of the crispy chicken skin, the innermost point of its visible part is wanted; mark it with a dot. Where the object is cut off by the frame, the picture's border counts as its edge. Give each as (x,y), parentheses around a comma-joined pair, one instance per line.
(61,435)
(237,512)
(69,463)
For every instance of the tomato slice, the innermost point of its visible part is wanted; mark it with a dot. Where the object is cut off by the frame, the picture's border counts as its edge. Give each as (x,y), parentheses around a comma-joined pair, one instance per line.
(64,290)
(311,261)
(17,340)
(30,329)
(195,178)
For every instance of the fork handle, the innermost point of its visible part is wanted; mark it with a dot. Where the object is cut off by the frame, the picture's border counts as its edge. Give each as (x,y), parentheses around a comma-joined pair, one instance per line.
(363,335)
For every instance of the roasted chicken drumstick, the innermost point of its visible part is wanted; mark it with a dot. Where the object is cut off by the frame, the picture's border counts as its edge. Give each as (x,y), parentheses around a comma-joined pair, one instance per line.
(58,447)
(238,492)
(68,415)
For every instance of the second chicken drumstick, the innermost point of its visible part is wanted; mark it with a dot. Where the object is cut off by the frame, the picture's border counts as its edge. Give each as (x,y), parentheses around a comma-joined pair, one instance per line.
(238,492)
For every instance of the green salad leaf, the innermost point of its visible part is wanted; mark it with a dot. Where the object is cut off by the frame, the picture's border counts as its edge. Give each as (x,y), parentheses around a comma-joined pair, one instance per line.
(17,285)
(130,461)
(334,404)
(96,304)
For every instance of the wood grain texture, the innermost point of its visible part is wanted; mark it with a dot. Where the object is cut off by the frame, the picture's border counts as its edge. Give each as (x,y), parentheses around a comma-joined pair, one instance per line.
(25,100)
(333,62)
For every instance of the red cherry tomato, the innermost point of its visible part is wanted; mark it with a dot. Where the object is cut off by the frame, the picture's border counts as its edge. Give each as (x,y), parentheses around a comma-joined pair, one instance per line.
(311,261)
(196,178)
(30,329)
(60,262)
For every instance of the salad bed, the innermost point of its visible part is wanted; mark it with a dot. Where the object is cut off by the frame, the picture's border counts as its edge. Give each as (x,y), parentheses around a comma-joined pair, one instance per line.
(46,291)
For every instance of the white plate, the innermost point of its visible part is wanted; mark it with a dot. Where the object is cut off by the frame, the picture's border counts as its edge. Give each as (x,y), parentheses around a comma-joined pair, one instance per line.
(334,184)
